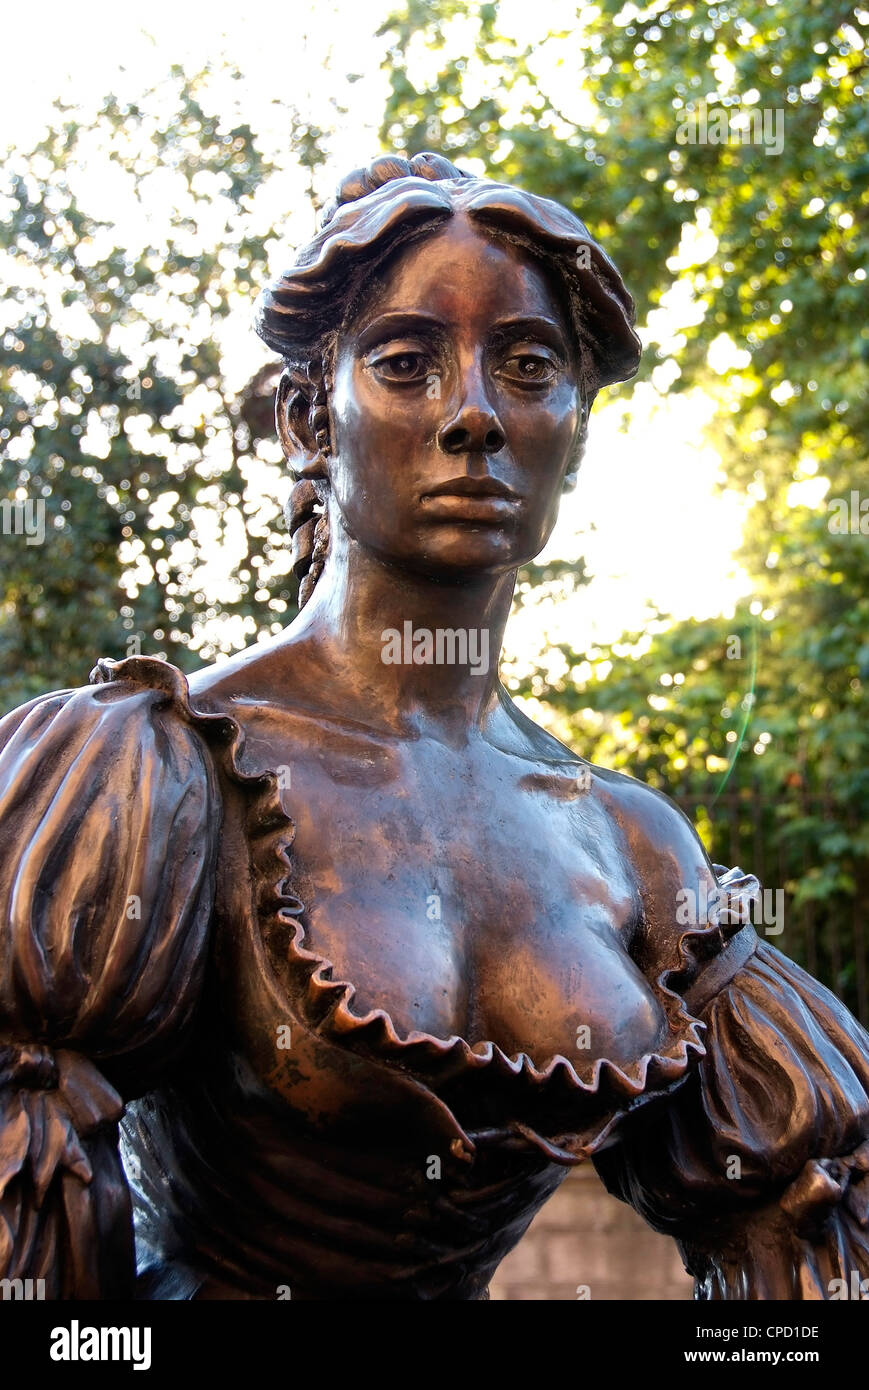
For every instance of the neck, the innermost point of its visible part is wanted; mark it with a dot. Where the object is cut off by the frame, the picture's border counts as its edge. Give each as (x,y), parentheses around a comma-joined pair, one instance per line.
(411,651)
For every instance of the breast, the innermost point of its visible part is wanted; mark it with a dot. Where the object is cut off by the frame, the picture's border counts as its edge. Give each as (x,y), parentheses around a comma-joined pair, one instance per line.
(569,989)
(476,1006)
(453,937)
(468,894)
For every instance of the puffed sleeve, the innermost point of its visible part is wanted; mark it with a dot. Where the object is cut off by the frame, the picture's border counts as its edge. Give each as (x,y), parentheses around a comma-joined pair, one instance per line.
(108,820)
(759,1164)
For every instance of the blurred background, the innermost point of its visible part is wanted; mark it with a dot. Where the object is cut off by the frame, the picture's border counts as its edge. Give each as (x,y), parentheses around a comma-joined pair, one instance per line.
(700,618)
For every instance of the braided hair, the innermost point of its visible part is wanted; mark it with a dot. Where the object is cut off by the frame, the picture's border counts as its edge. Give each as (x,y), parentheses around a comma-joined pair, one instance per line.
(394,201)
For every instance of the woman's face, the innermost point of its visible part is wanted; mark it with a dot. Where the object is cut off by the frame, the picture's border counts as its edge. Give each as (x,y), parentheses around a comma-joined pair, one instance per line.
(455,410)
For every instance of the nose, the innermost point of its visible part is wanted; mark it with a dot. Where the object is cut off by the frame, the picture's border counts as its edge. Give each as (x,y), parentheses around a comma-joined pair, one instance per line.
(474,429)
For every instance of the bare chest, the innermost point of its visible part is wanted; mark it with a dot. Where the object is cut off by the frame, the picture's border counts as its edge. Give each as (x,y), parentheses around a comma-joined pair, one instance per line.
(468,892)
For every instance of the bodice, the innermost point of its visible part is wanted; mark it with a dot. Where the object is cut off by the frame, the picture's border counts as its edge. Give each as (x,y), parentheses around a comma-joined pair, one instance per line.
(284,1131)
(434,1149)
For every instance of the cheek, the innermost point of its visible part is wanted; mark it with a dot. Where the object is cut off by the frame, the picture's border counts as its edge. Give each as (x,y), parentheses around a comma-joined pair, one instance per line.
(545,440)
(565,436)
(369,469)
(375,434)
(357,443)
(548,449)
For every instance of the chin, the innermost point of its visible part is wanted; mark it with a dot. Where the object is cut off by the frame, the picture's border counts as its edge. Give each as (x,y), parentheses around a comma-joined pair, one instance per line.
(458,552)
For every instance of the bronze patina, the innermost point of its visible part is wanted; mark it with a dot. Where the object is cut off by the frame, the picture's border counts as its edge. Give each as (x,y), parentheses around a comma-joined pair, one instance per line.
(322,967)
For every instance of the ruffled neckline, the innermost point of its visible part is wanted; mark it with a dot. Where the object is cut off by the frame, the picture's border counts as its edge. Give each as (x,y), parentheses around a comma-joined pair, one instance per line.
(450,1066)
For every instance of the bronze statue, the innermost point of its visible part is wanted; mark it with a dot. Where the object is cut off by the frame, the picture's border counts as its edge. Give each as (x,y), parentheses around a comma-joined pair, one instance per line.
(358,959)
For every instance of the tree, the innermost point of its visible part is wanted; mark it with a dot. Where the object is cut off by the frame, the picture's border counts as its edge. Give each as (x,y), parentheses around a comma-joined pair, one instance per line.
(127,448)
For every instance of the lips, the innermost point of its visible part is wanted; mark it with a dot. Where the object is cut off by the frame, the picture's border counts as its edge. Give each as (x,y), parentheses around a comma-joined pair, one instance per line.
(472,487)
(471,499)
(467,507)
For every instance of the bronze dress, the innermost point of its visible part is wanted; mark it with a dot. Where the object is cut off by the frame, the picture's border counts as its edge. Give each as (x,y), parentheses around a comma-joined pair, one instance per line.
(275,1142)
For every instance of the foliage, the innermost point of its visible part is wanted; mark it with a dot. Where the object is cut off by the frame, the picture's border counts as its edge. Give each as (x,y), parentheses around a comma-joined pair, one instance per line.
(118,416)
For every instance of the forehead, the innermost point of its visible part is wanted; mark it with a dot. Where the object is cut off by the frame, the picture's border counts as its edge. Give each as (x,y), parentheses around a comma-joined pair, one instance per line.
(464,276)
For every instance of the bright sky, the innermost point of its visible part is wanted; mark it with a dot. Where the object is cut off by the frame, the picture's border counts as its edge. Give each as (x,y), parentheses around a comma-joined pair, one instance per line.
(646,515)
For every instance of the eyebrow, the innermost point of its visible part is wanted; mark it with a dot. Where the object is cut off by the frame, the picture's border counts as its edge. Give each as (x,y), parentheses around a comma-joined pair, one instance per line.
(533,326)
(415,320)
(400,321)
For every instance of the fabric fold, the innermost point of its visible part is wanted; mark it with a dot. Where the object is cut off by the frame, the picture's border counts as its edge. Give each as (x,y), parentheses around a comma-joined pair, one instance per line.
(758,1165)
(108,837)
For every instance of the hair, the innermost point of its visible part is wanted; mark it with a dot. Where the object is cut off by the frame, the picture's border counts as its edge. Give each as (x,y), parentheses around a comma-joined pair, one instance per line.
(395,201)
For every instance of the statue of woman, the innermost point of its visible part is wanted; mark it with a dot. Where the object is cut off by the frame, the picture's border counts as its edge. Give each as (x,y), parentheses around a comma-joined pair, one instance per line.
(357,959)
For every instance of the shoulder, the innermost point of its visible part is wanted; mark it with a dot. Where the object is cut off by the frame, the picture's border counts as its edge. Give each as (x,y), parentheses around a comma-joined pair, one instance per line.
(685,905)
(261,670)
(131,729)
(109,828)
(697,914)
(664,845)
(660,839)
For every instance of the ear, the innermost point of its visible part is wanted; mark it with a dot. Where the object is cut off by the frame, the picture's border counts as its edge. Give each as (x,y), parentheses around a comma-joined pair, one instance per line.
(293,401)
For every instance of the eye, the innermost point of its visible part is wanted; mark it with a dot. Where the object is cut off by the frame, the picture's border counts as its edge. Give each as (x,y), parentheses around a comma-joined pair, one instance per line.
(401,364)
(530,368)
